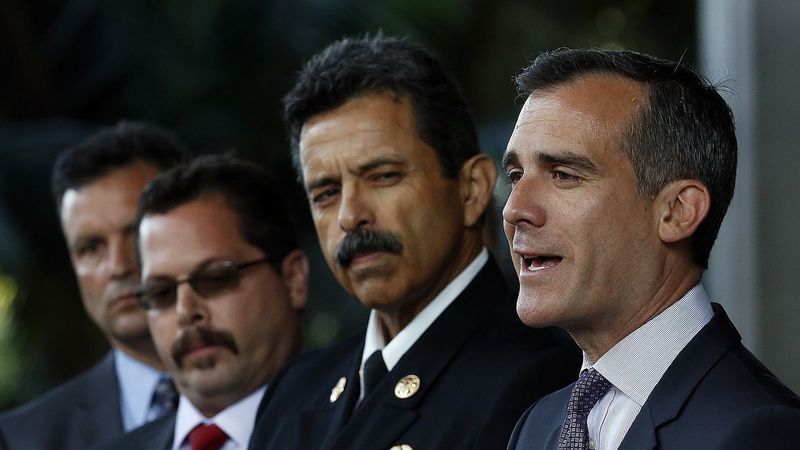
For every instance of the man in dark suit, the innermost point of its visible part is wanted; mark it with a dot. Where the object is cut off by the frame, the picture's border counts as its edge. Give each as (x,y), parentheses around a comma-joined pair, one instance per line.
(96,185)
(622,167)
(224,284)
(398,190)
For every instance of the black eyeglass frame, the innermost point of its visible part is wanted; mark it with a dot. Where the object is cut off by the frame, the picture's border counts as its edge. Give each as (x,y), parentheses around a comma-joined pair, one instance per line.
(191,279)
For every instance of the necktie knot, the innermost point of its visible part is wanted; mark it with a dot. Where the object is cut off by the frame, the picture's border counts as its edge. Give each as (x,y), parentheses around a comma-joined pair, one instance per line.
(207,436)
(374,371)
(164,400)
(588,390)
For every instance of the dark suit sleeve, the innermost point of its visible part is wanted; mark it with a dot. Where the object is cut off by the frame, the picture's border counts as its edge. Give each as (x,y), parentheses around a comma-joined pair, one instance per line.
(772,427)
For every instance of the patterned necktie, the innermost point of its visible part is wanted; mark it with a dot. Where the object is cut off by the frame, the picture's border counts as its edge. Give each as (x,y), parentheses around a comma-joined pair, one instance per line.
(374,371)
(207,436)
(590,387)
(165,399)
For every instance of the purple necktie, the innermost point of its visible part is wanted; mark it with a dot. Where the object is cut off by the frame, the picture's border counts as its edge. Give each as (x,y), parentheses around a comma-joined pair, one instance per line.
(590,387)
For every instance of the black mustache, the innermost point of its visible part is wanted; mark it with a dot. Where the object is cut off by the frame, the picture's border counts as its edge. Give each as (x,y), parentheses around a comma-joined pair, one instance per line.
(365,241)
(198,337)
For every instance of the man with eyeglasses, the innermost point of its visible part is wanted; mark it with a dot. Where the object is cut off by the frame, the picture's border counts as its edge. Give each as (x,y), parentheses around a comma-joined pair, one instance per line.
(96,186)
(223,283)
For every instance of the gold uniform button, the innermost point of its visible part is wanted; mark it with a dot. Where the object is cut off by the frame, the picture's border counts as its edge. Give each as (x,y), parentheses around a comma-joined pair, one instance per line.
(406,387)
(338,389)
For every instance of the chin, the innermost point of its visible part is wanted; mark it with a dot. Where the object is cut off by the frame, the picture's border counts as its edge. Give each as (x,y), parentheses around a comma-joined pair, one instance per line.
(130,330)
(532,312)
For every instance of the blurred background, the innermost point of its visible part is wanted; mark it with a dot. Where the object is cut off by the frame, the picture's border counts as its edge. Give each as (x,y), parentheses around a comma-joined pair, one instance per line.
(214,72)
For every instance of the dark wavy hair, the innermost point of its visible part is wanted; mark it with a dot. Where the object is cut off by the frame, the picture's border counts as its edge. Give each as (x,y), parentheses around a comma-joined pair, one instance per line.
(112,148)
(372,64)
(249,190)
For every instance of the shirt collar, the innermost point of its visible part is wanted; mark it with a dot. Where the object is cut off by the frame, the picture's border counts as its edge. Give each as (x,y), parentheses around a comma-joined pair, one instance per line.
(237,420)
(137,381)
(654,346)
(394,350)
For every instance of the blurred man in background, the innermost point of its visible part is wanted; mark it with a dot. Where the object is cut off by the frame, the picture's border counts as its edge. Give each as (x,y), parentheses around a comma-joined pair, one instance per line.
(224,285)
(96,184)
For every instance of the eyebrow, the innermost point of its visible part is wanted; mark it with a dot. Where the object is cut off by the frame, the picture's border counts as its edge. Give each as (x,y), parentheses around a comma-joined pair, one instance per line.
(569,159)
(510,158)
(366,167)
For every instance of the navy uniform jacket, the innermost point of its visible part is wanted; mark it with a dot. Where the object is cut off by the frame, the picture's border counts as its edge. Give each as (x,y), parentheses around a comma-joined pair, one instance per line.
(478,366)
(715,395)
(73,416)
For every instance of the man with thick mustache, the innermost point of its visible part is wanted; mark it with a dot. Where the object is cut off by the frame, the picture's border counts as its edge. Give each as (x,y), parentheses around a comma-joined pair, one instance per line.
(96,185)
(388,155)
(223,283)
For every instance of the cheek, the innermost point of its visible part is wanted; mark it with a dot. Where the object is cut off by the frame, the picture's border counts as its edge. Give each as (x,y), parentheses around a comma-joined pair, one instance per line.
(163,331)
(328,235)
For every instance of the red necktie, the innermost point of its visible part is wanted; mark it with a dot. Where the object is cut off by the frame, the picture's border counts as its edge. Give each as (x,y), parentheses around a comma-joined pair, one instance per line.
(207,436)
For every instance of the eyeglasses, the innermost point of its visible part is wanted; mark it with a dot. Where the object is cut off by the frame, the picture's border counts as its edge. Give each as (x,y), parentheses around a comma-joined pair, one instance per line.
(211,278)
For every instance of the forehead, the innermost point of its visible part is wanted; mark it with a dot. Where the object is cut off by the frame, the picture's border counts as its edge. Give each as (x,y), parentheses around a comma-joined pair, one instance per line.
(359,129)
(591,110)
(190,234)
(108,201)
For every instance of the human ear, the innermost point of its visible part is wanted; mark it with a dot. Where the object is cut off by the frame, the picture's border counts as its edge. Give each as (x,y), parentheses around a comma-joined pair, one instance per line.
(294,272)
(477,178)
(682,205)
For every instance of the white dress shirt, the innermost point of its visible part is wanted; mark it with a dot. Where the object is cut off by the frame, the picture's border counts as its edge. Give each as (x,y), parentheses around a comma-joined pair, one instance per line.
(399,345)
(237,421)
(137,381)
(636,364)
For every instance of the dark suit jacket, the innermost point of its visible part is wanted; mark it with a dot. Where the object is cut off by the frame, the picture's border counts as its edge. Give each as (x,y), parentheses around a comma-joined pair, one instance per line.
(715,394)
(155,435)
(74,415)
(478,367)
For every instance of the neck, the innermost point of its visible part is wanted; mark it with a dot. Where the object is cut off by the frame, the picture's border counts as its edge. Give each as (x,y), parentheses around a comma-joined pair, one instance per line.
(395,320)
(595,341)
(210,406)
(141,350)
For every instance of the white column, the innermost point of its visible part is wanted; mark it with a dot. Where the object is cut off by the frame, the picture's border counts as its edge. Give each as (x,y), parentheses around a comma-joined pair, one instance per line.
(755,45)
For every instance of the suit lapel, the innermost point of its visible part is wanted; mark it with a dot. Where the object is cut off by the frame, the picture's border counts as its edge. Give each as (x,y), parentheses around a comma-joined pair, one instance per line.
(555,435)
(382,417)
(167,434)
(164,433)
(98,411)
(681,378)
(552,440)
(321,425)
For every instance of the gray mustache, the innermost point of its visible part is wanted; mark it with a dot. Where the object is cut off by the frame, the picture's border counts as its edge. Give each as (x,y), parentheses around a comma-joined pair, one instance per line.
(366,241)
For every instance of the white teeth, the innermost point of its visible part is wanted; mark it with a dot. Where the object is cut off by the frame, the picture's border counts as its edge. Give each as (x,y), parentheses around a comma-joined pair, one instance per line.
(539,263)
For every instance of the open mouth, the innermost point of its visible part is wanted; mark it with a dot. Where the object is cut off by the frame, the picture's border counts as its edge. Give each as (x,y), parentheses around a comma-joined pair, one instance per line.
(126,296)
(537,263)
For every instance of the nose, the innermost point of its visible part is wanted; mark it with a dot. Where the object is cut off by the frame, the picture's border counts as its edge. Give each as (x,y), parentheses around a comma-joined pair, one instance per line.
(523,206)
(190,308)
(121,260)
(354,210)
